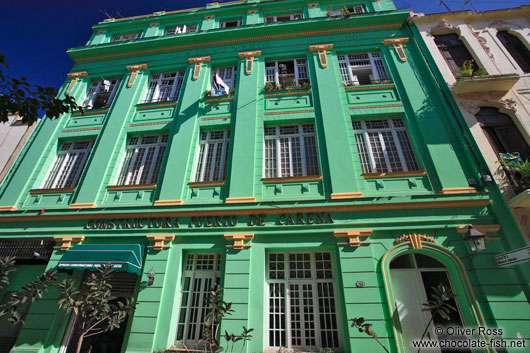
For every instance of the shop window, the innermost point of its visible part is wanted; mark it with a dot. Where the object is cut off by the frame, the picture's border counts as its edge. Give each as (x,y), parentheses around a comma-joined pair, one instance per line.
(201,274)
(100,94)
(413,276)
(143,159)
(352,10)
(454,52)
(287,73)
(170,31)
(231,24)
(68,165)
(302,302)
(213,152)
(384,146)
(126,37)
(283,18)
(362,69)
(516,48)
(502,133)
(223,80)
(290,151)
(164,87)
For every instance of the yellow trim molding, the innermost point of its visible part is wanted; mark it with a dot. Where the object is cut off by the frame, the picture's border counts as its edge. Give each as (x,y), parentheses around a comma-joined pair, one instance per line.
(135,69)
(485,228)
(249,59)
(206,183)
(152,106)
(239,240)
(313,5)
(346,195)
(168,203)
(74,76)
(159,240)
(51,191)
(378,106)
(80,205)
(222,99)
(291,179)
(66,241)
(395,174)
(282,94)
(198,64)
(79,130)
(217,118)
(8,208)
(131,187)
(247,199)
(361,88)
(90,112)
(353,236)
(153,123)
(462,190)
(415,240)
(321,50)
(291,112)
(398,46)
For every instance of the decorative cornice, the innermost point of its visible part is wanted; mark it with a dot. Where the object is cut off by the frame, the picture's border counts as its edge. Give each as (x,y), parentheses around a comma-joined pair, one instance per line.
(199,59)
(77,74)
(51,191)
(462,190)
(239,240)
(483,228)
(206,183)
(240,199)
(81,205)
(402,40)
(209,17)
(154,24)
(159,240)
(252,12)
(398,46)
(442,27)
(321,50)
(168,203)
(8,208)
(319,47)
(249,59)
(292,179)
(245,54)
(415,240)
(161,105)
(353,236)
(130,187)
(313,5)
(135,69)
(66,241)
(346,195)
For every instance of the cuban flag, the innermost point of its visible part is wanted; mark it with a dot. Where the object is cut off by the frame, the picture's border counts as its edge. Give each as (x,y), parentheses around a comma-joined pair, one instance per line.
(220,84)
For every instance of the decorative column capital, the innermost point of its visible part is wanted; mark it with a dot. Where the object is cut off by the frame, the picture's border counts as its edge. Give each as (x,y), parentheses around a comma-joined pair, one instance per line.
(66,241)
(398,46)
(74,77)
(321,49)
(249,59)
(239,240)
(313,5)
(353,236)
(415,240)
(198,64)
(134,74)
(159,240)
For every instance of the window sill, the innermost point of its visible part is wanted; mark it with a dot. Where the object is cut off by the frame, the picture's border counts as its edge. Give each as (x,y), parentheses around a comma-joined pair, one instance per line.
(87,111)
(149,105)
(292,179)
(411,173)
(286,93)
(51,191)
(131,187)
(196,184)
(369,87)
(213,99)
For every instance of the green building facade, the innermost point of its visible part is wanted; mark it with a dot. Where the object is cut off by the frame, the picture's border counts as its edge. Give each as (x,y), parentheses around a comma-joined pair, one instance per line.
(304,155)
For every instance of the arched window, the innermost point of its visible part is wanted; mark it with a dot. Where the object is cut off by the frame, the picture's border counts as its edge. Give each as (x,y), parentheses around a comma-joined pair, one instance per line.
(516,48)
(413,276)
(502,133)
(454,52)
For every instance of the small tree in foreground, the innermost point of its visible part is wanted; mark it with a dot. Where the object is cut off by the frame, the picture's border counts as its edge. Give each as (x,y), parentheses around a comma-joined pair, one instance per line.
(360,324)
(96,310)
(7,265)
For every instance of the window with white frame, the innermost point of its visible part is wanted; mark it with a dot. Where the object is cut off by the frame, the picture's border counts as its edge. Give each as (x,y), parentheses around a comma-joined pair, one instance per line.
(290,150)
(143,159)
(354,10)
(201,274)
(283,18)
(362,69)
(180,29)
(125,37)
(100,94)
(68,165)
(164,87)
(212,156)
(302,302)
(223,80)
(287,73)
(384,146)
(231,24)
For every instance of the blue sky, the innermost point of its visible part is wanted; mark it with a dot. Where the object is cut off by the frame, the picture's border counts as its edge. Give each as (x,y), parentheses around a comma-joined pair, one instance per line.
(34,34)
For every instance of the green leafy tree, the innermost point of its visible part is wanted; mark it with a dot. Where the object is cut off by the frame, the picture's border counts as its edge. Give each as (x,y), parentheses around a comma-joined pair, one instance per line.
(18,96)
(217,310)
(7,265)
(96,310)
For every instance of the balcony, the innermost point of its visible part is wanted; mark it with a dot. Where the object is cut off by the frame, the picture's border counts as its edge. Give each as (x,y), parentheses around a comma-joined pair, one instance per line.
(495,86)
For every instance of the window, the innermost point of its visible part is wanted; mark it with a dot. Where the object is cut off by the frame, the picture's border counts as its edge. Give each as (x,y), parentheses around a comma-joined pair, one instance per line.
(231,24)
(68,165)
(142,160)
(164,87)
(180,29)
(283,18)
(100,94)
(223,80)
(362,69)
(28,251)
(213,152)
(384,146)
(125,37)
(201,274)
(290,150)
(517,50)
(287,73)
(454,52)
(347,11)
(302,304)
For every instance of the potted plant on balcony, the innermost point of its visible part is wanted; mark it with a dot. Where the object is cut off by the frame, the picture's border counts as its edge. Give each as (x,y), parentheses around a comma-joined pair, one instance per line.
(518,169)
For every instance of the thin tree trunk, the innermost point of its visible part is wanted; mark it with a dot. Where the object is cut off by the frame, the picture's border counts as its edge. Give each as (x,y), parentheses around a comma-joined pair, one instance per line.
(382,345)
(79,343)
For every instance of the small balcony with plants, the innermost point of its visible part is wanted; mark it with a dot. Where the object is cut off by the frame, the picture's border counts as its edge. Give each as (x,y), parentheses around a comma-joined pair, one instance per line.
(474,81)
(518,173)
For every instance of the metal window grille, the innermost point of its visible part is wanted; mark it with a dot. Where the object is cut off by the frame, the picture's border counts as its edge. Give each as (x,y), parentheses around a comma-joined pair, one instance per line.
(164,87)
(301,301)
(287,72)
(228,75)
(123,284)
(362,68)
(143,159)
(384,146)
(212,156)
(201,273)
(100,94)
(33,250)
(68,164)
(290,150)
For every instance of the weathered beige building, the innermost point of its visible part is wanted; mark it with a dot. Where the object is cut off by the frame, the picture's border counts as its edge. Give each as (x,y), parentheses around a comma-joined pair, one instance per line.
(484,57)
